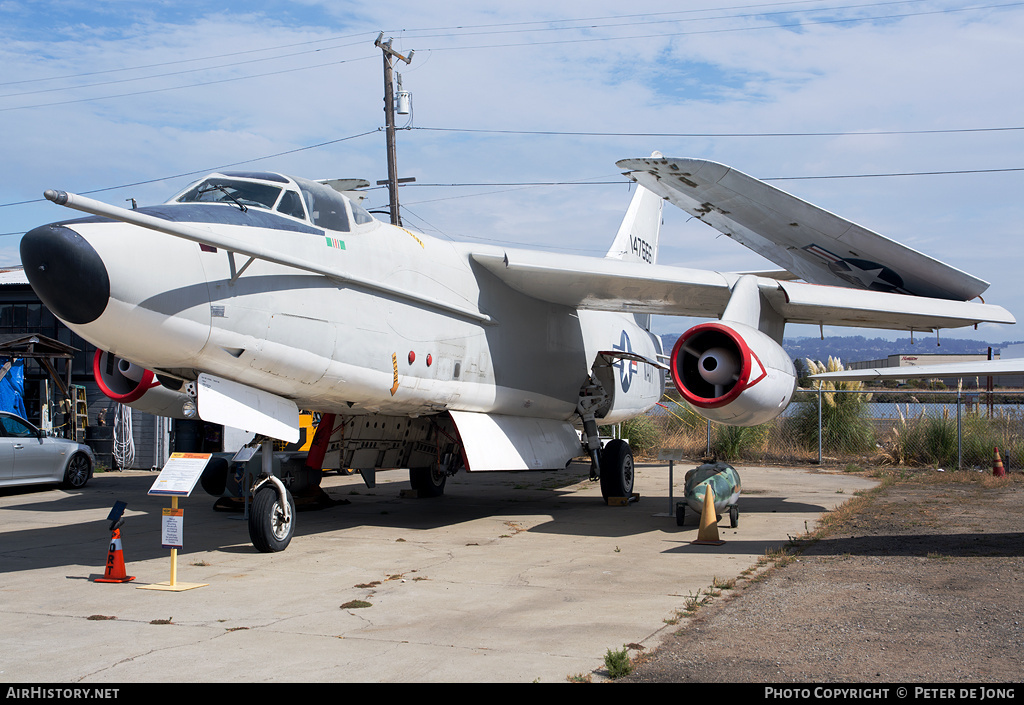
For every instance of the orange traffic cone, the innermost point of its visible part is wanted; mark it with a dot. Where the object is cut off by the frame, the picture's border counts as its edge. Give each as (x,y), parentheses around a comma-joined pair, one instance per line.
(997,467)
(707,534)
(115,572)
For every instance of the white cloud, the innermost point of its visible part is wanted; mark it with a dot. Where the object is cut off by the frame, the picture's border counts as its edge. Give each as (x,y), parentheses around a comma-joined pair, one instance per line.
(938,71)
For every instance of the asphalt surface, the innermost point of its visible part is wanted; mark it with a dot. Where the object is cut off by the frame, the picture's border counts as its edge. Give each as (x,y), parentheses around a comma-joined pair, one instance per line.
(510,577)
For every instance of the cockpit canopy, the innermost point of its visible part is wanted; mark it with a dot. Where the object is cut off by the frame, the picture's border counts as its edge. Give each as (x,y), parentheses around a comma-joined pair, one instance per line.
(303,199)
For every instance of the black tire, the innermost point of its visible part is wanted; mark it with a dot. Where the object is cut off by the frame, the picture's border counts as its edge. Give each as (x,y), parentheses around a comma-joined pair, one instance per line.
(268,531)
(734,517)
(428,482)
(215,476)
(616,470)
(680,513)
(78,472)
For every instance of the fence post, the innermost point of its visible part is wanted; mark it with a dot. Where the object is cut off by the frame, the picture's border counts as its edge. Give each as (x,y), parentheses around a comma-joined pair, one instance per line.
(819,423)
(959,434)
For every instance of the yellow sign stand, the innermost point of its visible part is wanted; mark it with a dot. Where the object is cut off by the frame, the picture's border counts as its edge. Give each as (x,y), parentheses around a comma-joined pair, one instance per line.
(177,479)
(173,585)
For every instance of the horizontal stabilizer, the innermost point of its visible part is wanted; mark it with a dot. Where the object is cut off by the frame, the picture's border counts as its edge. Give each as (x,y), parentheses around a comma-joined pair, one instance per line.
(497,442)
(820,247)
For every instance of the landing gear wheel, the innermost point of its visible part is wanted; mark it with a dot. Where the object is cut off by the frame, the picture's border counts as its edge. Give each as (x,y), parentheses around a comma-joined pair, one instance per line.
(428,482)
(77,472)
(616,470)
(680,513)
(734,516)
(268,530)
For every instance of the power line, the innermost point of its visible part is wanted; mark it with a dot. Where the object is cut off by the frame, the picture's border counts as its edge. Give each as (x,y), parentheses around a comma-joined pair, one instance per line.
(178,73)
(661,19)
(857,133)
(176,88)
(793,25)
(516,186)
(432,29)
(186,61)
(522,44)
(205,171)
(610,17)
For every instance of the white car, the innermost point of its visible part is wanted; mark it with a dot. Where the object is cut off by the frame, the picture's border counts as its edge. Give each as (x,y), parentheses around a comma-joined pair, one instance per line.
(29,456)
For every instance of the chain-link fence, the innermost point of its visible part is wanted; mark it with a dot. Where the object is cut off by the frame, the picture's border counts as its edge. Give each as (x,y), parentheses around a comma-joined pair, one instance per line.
(948,430)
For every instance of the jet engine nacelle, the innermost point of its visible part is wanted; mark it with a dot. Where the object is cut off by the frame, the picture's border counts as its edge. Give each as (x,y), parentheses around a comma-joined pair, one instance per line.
(733,374)
(137,387)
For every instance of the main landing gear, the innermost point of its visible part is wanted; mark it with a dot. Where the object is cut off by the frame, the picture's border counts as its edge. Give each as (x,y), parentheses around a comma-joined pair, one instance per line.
(271,519)
(428,482)
(613,463)
(272,514)
(616,467)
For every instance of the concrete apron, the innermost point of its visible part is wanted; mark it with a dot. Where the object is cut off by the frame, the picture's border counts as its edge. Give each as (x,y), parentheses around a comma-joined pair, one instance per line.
(510,577)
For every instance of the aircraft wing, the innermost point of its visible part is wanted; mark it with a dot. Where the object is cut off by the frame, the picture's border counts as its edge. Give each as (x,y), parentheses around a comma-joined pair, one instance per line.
(611,285)
(814,244)
(980,368)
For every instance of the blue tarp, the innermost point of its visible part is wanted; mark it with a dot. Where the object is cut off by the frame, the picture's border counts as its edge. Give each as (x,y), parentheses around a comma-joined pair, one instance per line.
(12,388)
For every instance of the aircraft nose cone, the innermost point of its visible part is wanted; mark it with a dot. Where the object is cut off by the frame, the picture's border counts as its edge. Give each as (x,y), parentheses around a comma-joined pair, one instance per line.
(66,273)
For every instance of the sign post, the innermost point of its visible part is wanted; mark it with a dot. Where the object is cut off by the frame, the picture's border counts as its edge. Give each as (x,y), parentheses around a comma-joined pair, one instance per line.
(672,455)
(177,479)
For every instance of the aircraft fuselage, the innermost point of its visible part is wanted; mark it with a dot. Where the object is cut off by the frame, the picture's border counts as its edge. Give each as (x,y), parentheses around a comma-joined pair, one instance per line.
(410,327)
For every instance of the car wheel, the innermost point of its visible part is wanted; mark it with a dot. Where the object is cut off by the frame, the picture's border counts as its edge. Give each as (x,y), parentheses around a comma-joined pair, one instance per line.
(77,472)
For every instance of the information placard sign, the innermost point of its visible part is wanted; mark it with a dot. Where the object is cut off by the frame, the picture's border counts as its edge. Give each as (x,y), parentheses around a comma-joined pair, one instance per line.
(172,528)
(180,474)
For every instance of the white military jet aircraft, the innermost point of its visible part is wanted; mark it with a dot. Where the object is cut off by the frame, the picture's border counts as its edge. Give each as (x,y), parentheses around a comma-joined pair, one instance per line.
(254,295)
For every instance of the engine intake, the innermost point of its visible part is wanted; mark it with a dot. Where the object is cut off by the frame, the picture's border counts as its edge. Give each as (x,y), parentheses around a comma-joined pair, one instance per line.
(122,381)
(137,387)
(732,373)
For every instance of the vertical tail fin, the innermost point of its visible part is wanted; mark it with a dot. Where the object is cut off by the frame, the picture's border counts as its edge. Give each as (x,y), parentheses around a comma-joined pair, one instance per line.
(637,239)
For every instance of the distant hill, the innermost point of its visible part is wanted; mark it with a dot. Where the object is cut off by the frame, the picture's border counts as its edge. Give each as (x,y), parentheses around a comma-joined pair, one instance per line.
(854,348)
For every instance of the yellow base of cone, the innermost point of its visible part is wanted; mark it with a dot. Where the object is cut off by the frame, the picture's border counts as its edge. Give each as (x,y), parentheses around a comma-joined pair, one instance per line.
(707,534)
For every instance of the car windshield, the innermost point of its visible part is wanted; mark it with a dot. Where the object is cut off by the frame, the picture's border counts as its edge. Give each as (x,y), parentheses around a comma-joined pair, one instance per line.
(243,194)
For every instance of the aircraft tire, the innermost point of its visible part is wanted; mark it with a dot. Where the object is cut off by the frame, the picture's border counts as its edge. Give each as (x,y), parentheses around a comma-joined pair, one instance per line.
(734,517)
(428,482)
(616,470)
(268,531)
(680,513)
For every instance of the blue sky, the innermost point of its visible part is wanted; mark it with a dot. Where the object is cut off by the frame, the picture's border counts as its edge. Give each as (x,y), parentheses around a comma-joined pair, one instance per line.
(135,100)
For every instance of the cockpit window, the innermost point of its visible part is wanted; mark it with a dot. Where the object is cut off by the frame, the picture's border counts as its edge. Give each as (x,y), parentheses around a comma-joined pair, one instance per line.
(240,193)
(325,205)
(360,215)
(291,204)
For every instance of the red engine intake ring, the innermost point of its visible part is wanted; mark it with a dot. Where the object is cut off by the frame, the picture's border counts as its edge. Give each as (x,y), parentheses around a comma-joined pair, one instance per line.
(147,382)
(746,355)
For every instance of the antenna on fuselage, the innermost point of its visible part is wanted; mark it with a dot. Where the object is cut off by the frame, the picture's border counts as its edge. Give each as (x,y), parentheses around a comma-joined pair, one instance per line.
(389,113)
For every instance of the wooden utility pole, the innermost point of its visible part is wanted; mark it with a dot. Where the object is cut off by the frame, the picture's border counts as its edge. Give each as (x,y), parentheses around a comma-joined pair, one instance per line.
(389,121)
